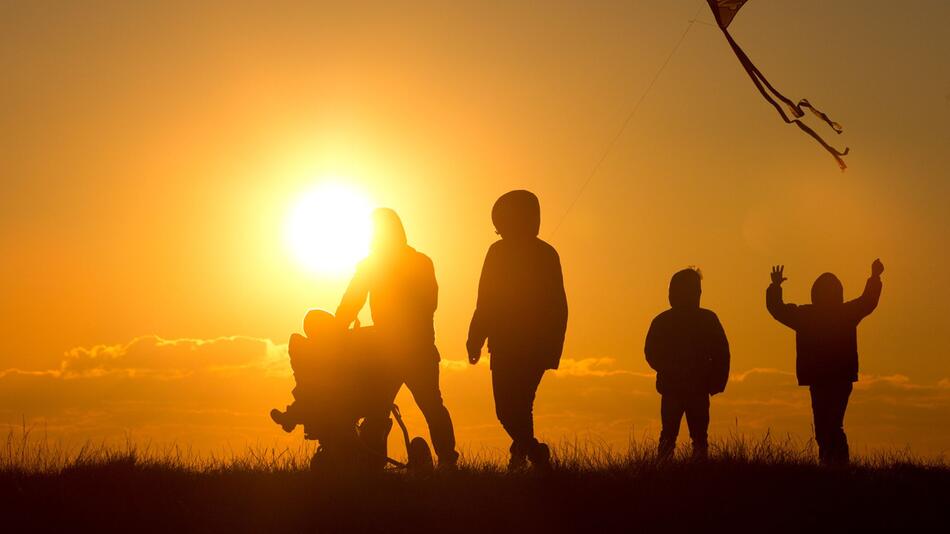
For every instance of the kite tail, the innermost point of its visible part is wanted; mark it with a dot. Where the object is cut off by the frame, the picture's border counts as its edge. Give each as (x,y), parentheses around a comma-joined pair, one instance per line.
(792,111)
(835,153)
(834,125)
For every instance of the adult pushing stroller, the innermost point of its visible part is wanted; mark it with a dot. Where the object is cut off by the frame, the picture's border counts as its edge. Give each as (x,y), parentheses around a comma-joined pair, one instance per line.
(343,398)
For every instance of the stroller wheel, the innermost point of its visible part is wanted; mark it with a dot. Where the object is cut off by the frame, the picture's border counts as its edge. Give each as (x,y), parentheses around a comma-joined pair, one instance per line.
(420,457)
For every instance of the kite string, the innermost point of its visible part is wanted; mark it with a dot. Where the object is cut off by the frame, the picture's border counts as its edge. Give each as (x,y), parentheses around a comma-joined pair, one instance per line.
(626,122)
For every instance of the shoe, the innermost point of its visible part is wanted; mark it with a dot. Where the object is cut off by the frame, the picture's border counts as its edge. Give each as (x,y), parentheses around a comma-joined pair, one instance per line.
(700,453)
(517,462)
(449,462)
(281,419)
(540,457)
(664,451)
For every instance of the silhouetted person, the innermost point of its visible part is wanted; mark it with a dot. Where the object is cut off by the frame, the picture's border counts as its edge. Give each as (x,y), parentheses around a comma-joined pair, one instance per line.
(310,357)
(522,312)
(826,346)
(687,348)
(403,295)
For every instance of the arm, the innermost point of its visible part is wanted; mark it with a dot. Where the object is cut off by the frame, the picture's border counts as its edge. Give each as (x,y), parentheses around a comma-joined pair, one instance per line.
(559,307)
(862,306)
(429,294)
(354,298)
(655,349)
(478,328)
(719,353)
(782,312)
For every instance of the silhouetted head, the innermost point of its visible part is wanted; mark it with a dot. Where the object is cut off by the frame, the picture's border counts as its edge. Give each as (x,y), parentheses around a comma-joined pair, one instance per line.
(517,214)
(827,290)
(685,288)
(388,232)
(318,323)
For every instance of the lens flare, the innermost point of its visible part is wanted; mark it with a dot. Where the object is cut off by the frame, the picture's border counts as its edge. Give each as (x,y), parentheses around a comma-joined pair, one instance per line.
(328,229)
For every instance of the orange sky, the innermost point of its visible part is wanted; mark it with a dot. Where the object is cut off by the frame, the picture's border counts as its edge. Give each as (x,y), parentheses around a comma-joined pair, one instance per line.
(150,155)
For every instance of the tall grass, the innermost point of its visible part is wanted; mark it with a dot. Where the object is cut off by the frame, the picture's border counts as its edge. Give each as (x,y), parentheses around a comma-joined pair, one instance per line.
(25,451)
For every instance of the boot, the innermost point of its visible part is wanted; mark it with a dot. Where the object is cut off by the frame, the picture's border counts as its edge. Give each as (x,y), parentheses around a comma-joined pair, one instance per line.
(664,450)
(700,451)
(540,456)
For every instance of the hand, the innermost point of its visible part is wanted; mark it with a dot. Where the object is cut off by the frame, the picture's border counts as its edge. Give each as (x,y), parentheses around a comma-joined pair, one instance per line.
(473,357)
(778,275)
(877,268)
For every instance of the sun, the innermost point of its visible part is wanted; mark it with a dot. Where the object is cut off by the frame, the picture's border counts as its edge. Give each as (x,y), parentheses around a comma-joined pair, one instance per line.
(328,228)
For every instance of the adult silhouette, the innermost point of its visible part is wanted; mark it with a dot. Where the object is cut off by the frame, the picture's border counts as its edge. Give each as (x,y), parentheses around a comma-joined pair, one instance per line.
(522,313)
(687,347)
(403,295)
(826,349)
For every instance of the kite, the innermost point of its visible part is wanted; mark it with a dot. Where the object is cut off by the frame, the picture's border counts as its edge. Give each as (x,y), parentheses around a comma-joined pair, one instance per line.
(725,11)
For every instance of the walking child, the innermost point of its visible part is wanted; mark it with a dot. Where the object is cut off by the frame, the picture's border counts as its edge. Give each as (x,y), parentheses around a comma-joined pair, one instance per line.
(522,313)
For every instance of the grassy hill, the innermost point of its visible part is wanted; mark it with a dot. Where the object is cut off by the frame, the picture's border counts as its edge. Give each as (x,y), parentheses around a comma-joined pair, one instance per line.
(747,485)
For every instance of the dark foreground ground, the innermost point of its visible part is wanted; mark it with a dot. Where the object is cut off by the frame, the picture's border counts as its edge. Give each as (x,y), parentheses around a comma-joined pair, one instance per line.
(725,494)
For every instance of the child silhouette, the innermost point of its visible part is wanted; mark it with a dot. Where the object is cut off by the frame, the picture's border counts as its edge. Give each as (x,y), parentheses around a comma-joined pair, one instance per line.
(826,350)
(687,348)
(522,313)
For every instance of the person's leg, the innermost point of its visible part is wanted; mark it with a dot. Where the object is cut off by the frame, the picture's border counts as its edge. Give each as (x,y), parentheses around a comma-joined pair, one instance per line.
(506,391)
(514,391)
(697,417)
(538,453)
(838,404)
(423,382)
(671,413)
(822,422)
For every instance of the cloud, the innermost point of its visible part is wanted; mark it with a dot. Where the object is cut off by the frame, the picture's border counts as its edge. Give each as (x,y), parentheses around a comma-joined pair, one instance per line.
(591,367)
(216,392)
(154,355)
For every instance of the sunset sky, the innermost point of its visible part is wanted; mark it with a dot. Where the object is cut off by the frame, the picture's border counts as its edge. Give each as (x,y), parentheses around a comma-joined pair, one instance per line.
(151,155)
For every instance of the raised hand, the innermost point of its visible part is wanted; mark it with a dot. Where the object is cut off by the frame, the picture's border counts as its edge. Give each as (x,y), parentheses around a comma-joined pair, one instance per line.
(778,274)
(877,268)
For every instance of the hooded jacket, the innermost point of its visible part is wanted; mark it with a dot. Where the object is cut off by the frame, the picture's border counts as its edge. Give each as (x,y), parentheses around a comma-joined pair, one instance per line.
(687,347)
(826,340)
(522,306)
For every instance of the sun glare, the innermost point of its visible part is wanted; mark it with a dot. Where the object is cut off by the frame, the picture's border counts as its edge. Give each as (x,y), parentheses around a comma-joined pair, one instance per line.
(328,229)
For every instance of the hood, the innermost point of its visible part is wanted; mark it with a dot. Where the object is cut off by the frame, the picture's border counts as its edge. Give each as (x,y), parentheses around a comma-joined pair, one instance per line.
(685,289)
(517,214)
(827,290)
(388,231)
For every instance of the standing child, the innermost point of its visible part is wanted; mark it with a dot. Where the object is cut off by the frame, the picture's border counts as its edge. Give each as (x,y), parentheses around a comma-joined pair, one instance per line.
(522,312)
(687,348)
(826,346)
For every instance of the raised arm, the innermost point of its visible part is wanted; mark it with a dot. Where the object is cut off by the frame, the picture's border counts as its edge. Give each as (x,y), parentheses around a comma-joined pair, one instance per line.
(862,306)
(782,312)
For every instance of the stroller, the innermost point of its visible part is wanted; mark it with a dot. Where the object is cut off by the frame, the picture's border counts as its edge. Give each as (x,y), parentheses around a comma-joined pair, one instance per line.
(347,404)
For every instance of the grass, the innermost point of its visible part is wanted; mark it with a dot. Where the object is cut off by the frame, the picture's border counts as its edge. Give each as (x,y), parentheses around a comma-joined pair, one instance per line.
(759,484)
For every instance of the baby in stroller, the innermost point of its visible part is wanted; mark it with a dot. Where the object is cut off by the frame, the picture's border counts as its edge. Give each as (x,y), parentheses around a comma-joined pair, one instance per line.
(341,378)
